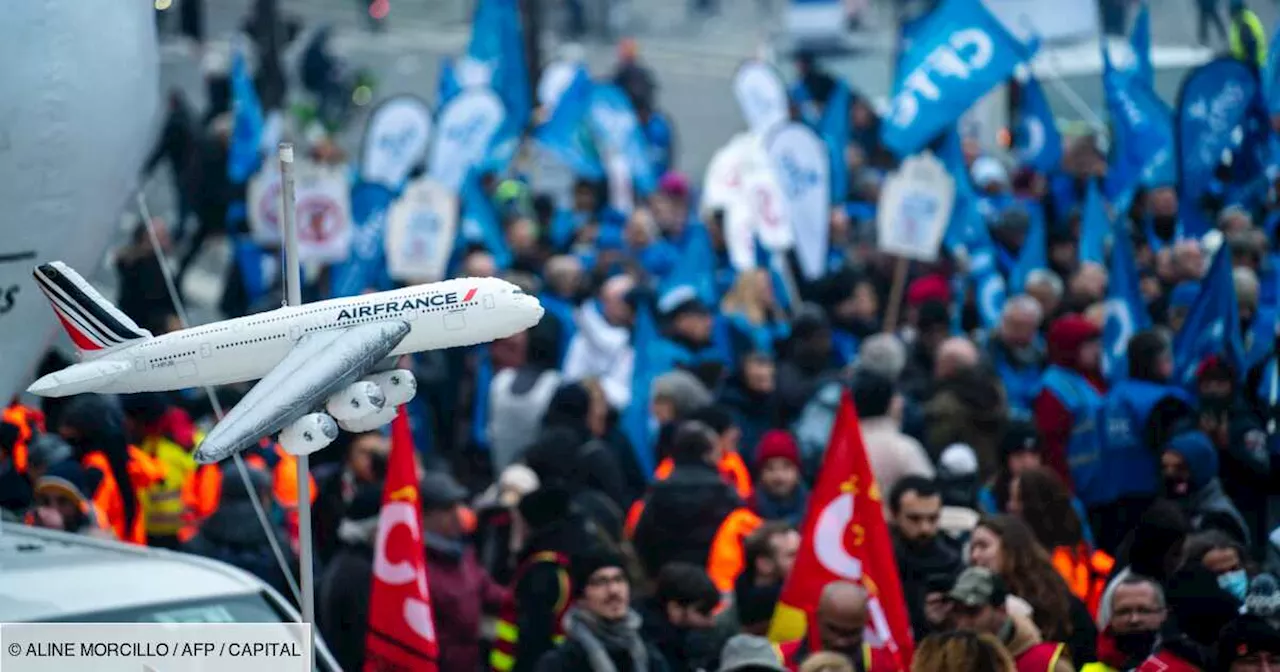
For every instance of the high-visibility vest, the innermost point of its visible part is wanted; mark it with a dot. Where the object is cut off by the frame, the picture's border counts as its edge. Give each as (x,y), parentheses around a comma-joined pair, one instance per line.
(1039,658)
(1085,572)
(1249,21)
(731,468)
(162,499)
(109,498)
(727,558)
(503,656)
(29,422)
(202,491)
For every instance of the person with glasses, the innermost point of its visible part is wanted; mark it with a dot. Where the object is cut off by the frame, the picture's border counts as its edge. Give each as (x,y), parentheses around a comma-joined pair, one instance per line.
(1137,613)
(602,632)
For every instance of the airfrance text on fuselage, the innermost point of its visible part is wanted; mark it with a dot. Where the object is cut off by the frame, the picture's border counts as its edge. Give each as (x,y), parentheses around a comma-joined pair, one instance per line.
(393,307)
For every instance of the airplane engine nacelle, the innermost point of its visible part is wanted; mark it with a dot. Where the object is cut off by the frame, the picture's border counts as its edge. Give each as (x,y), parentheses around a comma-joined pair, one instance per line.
(308,434)
(355,400)
(370,422)
(398,386)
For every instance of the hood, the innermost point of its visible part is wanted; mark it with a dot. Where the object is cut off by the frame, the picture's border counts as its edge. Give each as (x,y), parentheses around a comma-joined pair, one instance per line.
(599,332)
(1066,335)
(94,416)
(1201,457)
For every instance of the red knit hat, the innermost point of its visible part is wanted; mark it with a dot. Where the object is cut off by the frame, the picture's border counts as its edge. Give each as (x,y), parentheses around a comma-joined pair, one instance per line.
(777,443)
(928,288)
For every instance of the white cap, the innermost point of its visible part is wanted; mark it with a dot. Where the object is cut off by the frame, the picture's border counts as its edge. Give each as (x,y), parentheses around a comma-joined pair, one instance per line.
(988,169)
(958,459)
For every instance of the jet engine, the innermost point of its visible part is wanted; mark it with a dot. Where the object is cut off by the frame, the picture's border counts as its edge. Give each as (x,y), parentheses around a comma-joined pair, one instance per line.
(371,421)
(398,386)
(355,400)
(308,434)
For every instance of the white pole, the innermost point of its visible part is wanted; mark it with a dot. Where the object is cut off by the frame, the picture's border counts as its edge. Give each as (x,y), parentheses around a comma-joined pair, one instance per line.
(293,297)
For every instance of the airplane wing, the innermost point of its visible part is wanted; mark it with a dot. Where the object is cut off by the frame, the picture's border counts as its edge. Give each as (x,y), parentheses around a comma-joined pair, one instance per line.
(319,365)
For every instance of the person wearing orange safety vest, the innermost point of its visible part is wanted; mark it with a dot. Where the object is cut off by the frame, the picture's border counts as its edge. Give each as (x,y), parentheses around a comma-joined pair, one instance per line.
(203,490)
(116,472)
(1085,570)
(693,516)
(26,423)
(166,435)
(531,622)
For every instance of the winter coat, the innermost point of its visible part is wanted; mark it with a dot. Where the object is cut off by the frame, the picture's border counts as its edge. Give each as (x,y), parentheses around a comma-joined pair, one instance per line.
(232,535)
(682,514)
(462,589)
(342,604)
(602,351)
(893,455)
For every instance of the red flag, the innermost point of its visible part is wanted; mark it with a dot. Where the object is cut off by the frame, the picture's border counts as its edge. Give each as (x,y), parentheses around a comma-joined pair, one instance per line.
(845,538)
(402,634)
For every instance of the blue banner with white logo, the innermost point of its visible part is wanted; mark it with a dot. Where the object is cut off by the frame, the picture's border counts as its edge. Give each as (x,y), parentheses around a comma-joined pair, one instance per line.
(566,135)
(1037,143)
(618,131)
(1126,311)
(1143,133)
(1214,106)
(497,41)
(1212,326)
(957,55)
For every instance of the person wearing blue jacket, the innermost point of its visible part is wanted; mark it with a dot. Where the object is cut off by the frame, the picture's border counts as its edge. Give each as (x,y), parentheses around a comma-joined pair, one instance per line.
(1017,353)
(686,340)
(1139,414)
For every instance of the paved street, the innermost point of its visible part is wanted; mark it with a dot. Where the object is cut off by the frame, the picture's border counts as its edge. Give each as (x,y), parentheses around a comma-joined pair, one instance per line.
(694,60)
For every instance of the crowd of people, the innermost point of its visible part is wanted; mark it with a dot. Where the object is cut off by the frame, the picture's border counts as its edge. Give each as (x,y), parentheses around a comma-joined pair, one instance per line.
(1043,516)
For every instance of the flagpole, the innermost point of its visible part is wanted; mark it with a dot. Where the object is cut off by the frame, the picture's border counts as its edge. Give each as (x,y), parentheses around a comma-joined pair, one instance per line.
(293,297)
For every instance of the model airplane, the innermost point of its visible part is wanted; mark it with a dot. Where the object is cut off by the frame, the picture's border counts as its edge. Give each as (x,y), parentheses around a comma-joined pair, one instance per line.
(326,354)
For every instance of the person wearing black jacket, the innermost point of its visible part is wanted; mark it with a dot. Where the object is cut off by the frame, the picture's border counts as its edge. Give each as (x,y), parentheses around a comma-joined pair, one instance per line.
(926,557)
(683,512)
(344,588)
(678,618)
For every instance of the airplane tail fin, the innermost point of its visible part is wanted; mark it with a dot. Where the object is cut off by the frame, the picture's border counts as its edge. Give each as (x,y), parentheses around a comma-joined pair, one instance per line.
(94,325)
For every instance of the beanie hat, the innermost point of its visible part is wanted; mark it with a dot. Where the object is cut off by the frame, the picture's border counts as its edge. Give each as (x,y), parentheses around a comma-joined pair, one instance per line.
(777,443)
(66,477)
(1263,598)
(958,459)
(1067,334)
(930,288)
(544,506)
(591,562)
(1245,635)
(1020,437)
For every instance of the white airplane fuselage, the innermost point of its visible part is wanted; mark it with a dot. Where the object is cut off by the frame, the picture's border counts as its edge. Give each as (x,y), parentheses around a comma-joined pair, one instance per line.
(447,314)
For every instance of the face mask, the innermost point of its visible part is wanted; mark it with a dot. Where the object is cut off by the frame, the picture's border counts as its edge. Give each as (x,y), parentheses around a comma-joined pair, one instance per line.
(1235,582)
(1135,644)
(1164,226)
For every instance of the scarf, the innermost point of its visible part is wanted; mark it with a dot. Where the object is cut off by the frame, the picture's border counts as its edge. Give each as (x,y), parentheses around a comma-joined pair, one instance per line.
(597,637)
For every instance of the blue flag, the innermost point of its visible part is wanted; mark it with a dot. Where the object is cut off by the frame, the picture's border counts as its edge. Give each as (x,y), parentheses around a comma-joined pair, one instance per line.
(1215,104)
(480,222)
(958,54)
(1126,311)
(695,267)
(497,41)
(834,128)
(1140,42)
(566,135)
(1212,326)
(448,86)
(366,266)
(1271,75)
(1035,250)
(1037,142)
(244,154)
(1142,153)
(618,130)
(635,418)
(1094,227)
(967,230)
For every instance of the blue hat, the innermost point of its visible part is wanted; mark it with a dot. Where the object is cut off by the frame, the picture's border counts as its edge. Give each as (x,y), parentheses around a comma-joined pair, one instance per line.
(1200,454)
(1184,294)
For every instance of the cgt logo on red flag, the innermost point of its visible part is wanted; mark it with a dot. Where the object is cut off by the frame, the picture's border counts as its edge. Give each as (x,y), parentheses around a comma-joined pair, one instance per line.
(846,539)
(402,634)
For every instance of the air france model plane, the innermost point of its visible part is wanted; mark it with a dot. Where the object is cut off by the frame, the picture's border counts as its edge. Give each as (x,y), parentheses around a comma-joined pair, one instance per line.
(326,354)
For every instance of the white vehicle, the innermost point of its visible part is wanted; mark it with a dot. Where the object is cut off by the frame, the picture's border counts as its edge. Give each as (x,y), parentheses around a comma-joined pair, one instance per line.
(47,576)
(325,354)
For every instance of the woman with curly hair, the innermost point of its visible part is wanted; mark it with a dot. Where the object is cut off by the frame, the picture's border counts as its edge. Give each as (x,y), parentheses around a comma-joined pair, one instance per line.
(961,651)
(1042,501)
(1006,546)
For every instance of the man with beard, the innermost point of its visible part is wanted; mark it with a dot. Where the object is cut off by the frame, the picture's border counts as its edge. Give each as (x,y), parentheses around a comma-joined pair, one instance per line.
(602,633)
(770,554)
(924,556)
(1017,354)
(839,625)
